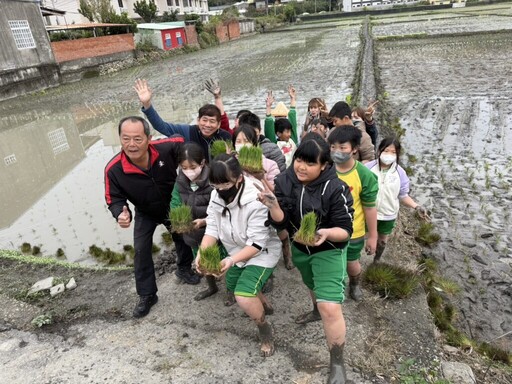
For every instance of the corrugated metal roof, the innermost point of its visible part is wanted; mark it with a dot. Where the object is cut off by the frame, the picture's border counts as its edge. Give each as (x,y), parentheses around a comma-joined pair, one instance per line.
(162,26)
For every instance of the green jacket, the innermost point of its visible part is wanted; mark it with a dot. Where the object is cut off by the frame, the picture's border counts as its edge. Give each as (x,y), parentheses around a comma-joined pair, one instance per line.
(270,132)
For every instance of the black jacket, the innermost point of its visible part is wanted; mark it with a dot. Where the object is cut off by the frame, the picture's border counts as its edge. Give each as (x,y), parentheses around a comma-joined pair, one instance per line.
(197,200)
(149,191)
(272,152)
(327,196)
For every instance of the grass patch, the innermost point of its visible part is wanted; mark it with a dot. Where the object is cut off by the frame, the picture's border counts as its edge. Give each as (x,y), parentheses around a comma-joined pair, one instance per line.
(155,248)
(210,259)
(60,253)
(181,219)
(219,147)
(41,320)
(106,255)
(251,159)
(26,248)
(307,231)
(391,281)
(426,236)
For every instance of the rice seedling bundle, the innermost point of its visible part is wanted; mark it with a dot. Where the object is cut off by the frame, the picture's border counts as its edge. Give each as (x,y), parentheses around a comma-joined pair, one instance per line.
(210,260)
(251,159)
(219,146)
(181,219)
(307,231)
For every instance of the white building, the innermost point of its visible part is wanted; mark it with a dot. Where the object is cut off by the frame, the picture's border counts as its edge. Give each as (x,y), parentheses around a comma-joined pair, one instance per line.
(72,16)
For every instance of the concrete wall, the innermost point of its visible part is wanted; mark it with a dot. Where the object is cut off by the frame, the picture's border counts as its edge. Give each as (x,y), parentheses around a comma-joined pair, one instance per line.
(68,50)
(247,26)
(29,69)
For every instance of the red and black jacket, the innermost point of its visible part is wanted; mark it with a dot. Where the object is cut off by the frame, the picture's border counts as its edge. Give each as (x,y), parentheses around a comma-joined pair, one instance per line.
(149,191)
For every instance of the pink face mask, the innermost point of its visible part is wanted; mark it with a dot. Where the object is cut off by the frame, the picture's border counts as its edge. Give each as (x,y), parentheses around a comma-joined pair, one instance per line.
(192,174)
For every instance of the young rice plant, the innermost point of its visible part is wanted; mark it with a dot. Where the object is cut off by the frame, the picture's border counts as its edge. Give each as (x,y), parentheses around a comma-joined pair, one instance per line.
(210,260)
(307,231)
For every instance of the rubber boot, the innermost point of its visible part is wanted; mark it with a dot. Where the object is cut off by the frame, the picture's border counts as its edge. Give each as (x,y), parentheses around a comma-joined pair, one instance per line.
(212,289)
(379,251)
(338,374)
(287,254)
(354,287)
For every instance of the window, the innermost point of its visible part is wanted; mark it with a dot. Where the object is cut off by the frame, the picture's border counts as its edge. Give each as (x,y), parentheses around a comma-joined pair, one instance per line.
(9,160)
(169,3)
(120,3)
(185,3)
(58,141)
(22,34)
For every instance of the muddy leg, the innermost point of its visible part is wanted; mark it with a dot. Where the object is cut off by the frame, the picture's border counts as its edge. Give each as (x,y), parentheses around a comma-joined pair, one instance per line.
(254,308)
(269,285)
(267,307)
(381,245)
(211,290)
(267,339)
(287,250)
(309,317)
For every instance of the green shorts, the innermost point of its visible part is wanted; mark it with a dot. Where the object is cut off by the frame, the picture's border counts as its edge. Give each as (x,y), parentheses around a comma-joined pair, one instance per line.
(354,249)
(247,281)
(385,227)
(323,273)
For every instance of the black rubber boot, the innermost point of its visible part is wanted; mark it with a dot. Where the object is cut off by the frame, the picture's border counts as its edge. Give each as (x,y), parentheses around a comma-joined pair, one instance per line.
(379,251)
(354,287)
(338,374)
(212,289)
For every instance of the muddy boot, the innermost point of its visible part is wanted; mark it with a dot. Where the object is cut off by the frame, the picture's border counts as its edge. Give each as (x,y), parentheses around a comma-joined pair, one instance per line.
(309,317)
(354,287)
(212,289)
(287,254)
(269,285)
(230,299)
(338,374)
(267,339)
(379,251)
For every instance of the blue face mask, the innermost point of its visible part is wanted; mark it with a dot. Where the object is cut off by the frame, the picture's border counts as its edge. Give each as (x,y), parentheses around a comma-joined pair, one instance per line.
(340,157)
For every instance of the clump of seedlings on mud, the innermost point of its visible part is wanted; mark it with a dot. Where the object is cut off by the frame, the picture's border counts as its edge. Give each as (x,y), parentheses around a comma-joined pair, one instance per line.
(210,260)
(167,238)
(219,147)
(439,292)
(181,219)
(391,281)
(251,159)
(307,231)
(426,235)
(106,255)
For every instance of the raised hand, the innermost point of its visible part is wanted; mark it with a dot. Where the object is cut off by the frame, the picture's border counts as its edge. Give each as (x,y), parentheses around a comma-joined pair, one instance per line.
(368,115)
(213,87)
(144,92)
(292,92)
(270,99)
(124,219)
(266,197)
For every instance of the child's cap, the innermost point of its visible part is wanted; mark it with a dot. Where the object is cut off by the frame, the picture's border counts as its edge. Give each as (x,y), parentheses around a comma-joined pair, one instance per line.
(340,110)
(280,110)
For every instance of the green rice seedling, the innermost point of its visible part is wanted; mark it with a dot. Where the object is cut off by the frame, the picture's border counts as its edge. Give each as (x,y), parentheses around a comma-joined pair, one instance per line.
(111,257)
(458,339)
(220,146)
(181,219)
(36,250)
(167,238)
(210,260)
(307,231)
(426,236)
(391,281)
(60,253)
(495,353)
(446,285)
(26,247)
(251,159)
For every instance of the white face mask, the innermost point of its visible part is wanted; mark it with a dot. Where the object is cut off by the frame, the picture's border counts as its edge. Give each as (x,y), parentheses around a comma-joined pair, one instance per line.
(192,174)
(238,147)
(387,159)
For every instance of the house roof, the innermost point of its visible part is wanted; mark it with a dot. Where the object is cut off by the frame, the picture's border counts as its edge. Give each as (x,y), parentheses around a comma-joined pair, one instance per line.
(46,11)
(82,26)
(162,26)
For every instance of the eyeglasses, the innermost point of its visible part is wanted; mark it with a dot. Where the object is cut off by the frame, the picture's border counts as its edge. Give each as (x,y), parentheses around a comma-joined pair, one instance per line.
(222,187)
(127,140)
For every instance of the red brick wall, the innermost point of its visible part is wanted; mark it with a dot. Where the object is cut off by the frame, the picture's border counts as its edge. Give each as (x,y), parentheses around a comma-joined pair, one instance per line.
(234,30)
(91,47)
(222,33)
(190,32)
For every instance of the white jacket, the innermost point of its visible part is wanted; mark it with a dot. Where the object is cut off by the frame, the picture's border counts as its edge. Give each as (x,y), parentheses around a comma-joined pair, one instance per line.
(393,186)
(242,223)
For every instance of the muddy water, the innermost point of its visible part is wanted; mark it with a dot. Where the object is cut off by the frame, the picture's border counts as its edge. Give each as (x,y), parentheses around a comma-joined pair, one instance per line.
(54,145)
(454,98)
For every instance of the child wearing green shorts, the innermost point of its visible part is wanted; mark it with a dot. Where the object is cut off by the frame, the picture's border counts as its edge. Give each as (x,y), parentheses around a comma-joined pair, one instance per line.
(393,190)
(345,141)
(237,219)
(311,185)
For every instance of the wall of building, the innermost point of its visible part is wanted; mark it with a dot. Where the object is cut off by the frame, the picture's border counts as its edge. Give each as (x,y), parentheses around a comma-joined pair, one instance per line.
(191,33)
(247,26)
(234,30)
(24,69)
(72,15)
(68,50)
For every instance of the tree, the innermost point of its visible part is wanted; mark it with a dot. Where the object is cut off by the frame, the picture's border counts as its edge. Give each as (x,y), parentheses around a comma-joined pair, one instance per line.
(96,10)
(169,16)
(146,9)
